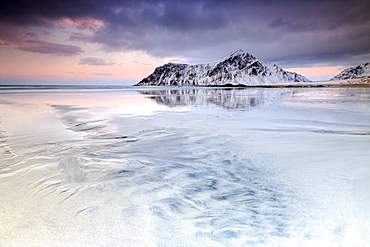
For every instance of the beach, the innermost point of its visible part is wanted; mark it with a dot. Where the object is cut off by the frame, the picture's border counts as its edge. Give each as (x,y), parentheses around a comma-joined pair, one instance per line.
(185,166)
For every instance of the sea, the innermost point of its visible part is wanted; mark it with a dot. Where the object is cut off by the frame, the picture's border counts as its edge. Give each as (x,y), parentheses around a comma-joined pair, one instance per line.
(184,166)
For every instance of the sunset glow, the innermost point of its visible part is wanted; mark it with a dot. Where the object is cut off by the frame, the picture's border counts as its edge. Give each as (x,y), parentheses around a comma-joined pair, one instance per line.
(318,72)
(2,42)
(84,23)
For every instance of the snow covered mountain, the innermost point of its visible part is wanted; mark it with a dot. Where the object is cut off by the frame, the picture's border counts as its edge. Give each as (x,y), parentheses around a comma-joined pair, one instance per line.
(238,68)
(355,72)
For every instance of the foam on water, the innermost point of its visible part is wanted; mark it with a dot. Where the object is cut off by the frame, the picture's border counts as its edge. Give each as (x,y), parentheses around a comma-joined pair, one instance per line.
(185,167)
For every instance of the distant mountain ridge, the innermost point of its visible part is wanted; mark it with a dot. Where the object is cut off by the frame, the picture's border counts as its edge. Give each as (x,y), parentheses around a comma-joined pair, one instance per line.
(238,68)
(354,72)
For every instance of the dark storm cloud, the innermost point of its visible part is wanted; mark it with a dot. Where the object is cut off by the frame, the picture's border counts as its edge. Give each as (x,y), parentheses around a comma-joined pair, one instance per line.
(44,47)
(289,32)
(281,23)
(26,12)
(186,17)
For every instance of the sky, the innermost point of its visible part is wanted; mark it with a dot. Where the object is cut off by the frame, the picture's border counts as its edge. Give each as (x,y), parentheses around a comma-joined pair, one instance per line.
(123,41)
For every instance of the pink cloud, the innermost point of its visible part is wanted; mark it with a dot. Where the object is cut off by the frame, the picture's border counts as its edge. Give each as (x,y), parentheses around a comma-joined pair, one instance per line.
(94,61)
(84,23)
(44,47)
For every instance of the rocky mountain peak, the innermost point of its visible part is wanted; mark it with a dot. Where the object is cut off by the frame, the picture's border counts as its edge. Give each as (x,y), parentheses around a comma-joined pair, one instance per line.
(239,53)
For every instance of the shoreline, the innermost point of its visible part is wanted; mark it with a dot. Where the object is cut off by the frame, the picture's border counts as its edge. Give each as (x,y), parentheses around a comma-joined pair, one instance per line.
(361,82)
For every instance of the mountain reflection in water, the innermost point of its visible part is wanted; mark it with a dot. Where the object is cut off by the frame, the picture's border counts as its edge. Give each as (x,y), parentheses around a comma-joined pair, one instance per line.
(233,98)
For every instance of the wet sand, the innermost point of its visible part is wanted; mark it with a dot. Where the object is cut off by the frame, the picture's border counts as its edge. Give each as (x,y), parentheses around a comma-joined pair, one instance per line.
(185,167)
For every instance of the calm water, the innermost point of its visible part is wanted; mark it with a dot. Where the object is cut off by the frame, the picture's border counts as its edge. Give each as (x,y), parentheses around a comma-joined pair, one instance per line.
(184,167)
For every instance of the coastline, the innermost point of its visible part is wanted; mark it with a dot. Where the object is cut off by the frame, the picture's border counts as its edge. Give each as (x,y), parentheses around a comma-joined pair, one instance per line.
(361,82)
